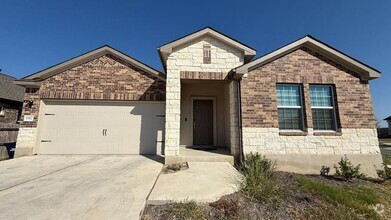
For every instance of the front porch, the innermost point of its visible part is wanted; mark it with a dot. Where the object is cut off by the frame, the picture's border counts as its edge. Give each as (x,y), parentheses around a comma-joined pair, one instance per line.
(208,122)
(190,154)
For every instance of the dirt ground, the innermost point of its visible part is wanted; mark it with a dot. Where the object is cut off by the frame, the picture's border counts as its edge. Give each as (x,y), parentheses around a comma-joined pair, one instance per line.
(293,203)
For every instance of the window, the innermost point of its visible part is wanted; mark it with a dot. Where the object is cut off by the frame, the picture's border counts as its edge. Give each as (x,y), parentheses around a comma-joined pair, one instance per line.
(322,106)
(290,110)
(207,54)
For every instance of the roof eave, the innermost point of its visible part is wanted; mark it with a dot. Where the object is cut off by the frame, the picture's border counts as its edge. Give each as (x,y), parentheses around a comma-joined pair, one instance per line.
(166,49)
(366,72)
(28,83)
(53,70)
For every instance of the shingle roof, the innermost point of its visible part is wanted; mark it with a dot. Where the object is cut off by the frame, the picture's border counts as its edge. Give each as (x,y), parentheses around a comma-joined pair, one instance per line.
(10,91)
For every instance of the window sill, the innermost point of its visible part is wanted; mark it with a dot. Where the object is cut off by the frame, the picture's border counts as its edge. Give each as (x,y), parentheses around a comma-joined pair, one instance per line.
(293,133)
(327,133)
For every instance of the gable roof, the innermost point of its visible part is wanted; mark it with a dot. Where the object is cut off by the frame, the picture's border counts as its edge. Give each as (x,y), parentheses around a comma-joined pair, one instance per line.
(34,80)
(167,48)
(10,91)
(366,71)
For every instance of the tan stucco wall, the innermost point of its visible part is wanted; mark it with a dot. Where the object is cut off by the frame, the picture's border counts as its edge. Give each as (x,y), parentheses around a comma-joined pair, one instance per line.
(204,89)
(189,57)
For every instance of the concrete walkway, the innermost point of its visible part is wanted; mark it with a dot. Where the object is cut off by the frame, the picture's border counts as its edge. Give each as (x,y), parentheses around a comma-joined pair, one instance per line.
(202,182)
(76,187)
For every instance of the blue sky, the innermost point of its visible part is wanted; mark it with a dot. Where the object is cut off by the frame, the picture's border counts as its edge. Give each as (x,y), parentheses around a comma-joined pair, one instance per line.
(37,34)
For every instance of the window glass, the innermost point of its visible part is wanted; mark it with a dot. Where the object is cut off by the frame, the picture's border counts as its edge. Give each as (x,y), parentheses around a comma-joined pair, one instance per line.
(290,111)
(288,95)
(323,112)
(321,96)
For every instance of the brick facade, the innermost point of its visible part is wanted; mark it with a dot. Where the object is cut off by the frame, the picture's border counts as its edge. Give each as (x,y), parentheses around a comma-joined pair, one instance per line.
(304,66)
(10,114)
(104,78)
(32,94)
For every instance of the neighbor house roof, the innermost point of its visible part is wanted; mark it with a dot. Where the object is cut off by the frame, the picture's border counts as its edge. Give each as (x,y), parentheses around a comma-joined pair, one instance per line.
(10,91)
(366,71)
(165,50)
(388,118)
(34,80)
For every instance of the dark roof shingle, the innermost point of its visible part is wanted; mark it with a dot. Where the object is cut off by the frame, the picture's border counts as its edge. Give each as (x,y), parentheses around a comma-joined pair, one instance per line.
(10,91)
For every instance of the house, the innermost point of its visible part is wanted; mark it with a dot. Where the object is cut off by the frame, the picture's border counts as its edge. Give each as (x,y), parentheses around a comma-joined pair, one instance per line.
(298,104)
(11,101)
(388,119)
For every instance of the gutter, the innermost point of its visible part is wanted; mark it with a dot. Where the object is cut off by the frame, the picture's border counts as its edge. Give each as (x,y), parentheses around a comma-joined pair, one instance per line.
(237,77)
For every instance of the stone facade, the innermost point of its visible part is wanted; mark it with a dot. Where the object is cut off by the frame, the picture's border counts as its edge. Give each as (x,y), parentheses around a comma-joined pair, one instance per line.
(189,57)
(350,141)
(104,78)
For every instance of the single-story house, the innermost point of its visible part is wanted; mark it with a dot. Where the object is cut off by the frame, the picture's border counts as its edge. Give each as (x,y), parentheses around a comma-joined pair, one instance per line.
(305,104)
(11,102)
(388,119)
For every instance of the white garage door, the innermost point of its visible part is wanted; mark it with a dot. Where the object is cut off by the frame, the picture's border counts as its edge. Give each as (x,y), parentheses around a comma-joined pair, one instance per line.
(81,127)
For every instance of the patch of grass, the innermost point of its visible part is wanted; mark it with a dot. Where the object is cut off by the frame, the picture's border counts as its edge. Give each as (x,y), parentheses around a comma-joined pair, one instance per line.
(384,140)
(358,198)
(387,161)
(328,212)
(185,210)
(259,180)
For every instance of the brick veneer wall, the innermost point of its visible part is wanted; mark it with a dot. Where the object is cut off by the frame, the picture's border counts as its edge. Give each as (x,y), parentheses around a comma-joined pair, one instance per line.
(31,94)
(304,66)
(104,78)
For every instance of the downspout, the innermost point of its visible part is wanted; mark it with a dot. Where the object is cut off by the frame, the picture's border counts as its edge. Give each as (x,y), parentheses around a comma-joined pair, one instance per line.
(240,125)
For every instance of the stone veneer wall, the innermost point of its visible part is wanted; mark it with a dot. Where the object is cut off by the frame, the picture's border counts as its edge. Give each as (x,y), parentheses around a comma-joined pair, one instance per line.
(189,57)
(356,132)
(350,141)
(104,78)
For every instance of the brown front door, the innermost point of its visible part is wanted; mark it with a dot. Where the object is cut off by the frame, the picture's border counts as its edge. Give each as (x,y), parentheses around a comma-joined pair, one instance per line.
(202,122)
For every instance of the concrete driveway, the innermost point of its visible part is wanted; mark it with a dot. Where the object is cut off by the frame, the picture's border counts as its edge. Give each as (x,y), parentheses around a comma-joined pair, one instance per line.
(76,187)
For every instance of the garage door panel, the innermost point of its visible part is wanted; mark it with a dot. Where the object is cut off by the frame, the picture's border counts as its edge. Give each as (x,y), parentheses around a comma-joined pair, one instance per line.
(102,128)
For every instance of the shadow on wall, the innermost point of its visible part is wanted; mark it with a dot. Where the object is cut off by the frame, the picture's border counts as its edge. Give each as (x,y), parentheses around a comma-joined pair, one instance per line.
(152,116)
(151,127)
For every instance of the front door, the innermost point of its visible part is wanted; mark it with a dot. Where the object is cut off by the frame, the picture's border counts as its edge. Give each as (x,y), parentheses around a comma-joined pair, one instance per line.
(203,122)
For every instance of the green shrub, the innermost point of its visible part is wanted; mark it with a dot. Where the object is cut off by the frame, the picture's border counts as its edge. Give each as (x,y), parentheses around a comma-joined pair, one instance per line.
(259,180)
(385,172)
(347,170)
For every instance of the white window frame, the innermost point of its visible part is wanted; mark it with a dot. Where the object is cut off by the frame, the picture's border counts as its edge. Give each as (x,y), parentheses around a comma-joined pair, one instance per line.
(293,107)
(325,107)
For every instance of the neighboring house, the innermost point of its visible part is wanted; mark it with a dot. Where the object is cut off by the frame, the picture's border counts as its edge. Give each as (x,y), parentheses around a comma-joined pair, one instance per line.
(388,119)
(305,104)
(11,101)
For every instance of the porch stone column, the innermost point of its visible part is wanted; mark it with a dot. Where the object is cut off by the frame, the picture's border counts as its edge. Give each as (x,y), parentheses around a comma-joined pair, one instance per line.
(173,106)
